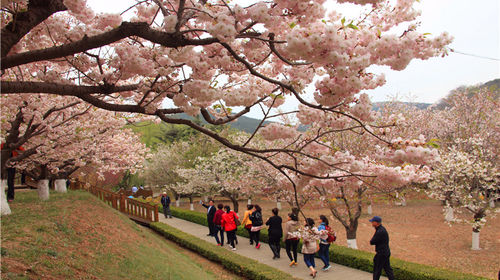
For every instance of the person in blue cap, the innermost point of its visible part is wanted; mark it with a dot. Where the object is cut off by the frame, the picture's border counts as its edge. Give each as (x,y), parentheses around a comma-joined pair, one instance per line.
(381,241)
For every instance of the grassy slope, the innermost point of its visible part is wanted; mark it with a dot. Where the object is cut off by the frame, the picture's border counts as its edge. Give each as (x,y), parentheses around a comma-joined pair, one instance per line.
(75,236)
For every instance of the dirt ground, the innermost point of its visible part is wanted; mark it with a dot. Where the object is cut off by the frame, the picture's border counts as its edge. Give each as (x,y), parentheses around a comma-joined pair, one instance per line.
(417,233)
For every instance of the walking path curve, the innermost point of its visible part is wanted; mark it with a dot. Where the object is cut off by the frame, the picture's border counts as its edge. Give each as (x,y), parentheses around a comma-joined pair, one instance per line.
(264,255)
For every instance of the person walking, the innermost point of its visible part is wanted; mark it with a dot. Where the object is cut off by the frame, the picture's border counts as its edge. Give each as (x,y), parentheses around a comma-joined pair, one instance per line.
(165,202)
(247,223)
(383,253)
(275,233)
(210,216)
(256,218)
(218,225)
(324,244)
(11,173)
(310,246)
(291,238)
(228,223)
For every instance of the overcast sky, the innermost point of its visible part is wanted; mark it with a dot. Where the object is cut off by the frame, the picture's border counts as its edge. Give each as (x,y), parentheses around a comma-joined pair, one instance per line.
(475,25)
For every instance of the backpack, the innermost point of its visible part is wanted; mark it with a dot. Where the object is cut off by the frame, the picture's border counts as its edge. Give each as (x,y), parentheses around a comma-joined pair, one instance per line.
(331,235)
(257,219)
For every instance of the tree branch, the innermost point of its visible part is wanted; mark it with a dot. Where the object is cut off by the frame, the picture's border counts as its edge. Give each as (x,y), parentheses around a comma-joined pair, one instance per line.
(126,29)
(23,22)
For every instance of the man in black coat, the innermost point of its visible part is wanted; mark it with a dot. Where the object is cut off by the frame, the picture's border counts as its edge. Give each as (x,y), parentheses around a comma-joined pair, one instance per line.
(165,201)
(381,241)
(210,216)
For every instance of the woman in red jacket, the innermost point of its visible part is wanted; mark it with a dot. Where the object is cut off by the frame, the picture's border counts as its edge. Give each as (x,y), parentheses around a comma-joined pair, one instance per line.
(228,223)
(218,225)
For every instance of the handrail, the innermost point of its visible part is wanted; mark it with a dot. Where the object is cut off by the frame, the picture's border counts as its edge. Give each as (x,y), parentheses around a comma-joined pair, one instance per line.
(136,210)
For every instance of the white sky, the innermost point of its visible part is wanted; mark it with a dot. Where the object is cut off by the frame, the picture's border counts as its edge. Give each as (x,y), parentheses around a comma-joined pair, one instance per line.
(475,25)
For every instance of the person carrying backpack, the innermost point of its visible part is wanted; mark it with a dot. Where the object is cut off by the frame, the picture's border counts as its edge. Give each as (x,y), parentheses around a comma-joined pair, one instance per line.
(326,237)
(257,223)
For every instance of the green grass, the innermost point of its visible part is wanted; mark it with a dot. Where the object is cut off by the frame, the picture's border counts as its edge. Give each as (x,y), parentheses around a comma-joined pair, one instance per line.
(74,235)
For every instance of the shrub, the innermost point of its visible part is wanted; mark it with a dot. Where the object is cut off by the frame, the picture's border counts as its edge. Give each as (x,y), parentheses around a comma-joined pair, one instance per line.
(403,270)
(240,265)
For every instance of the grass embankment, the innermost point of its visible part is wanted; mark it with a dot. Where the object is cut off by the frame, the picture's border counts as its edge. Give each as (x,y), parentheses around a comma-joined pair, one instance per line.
(76,236)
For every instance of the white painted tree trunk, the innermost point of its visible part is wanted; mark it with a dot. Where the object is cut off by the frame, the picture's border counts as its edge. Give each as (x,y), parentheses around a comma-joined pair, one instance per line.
(177,203)
(3,199)
(403,200)
(249,201)
(492,203)
(60,185)
(369,210)
(475,241)
(351,243)
(205,198)
(43,189)
(191,206)
(278,205)
(449,215)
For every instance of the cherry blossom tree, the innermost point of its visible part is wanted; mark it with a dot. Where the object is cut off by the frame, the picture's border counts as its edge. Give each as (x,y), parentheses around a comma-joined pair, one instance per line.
(219,60)
(226,173)
(27,117)
(467,182)
(164,167)
(61,138)
(467,178)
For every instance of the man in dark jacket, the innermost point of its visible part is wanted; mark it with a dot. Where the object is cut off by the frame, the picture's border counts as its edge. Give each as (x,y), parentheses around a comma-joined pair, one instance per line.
(381,241)
(165,202)
(210,216)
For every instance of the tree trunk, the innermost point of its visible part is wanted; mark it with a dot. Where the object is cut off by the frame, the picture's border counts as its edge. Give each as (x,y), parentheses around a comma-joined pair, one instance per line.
(235,204)
(351,234)
(191,205)
(60,185)
(3,199)
(369,209)
(475,240)
(403,200)
(492,203)
(449,214)
(177,200)
(43,189)
(478,216)
(278,205)
(249,201)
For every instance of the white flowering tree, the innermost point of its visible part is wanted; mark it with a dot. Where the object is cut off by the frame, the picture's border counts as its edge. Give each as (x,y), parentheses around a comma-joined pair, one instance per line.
(467,182)
(168,164)
(229,174)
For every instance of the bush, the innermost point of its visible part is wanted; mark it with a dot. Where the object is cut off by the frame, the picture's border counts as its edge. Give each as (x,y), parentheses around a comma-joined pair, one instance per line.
(240,265)
(403,270)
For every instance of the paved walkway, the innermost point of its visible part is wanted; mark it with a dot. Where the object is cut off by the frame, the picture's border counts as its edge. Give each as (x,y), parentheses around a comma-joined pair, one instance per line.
(265,256)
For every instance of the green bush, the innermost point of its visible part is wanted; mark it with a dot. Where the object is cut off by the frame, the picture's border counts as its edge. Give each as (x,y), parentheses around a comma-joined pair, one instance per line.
(403,270)
(240,265)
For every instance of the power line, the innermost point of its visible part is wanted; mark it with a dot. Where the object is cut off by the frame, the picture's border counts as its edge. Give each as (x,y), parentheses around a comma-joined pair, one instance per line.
(474,55)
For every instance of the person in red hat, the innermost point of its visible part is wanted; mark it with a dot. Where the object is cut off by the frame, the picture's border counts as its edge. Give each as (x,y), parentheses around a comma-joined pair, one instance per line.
(11,173)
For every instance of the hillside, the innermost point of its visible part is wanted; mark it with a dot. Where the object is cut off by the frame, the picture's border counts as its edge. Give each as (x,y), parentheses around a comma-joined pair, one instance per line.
(243,123)
(377,106)
(76,236)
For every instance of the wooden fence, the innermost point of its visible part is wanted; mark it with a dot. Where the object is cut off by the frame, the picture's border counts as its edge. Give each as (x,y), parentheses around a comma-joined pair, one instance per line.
(135,210)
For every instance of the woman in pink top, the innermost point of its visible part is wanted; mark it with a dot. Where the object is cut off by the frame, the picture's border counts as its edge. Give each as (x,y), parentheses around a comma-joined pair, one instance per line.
(228,223)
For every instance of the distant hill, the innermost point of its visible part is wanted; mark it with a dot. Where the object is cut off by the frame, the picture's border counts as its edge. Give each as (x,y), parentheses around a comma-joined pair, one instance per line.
(493,85)
(243,123)
(377,106)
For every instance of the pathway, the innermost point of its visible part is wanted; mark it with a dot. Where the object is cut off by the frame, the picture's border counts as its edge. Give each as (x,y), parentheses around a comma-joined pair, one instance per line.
(264,255)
